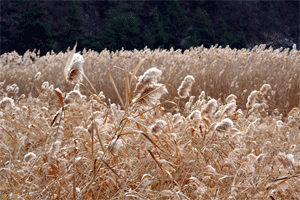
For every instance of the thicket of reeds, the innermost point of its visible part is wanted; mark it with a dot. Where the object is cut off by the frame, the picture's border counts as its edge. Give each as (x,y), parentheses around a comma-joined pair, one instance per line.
(203,124)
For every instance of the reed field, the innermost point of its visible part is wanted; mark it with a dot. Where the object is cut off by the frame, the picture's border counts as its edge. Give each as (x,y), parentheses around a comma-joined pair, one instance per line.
(214,123)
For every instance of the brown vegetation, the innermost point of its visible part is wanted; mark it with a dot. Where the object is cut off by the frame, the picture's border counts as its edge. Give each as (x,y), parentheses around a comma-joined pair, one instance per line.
(205,124)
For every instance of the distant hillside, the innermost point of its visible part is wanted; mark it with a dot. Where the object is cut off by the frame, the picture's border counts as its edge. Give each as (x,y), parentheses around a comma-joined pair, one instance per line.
(62,23)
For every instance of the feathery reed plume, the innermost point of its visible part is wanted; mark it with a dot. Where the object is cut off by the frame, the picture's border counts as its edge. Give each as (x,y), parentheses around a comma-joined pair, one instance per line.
(56,147)
(225,125)
(115,145)
(9,88)
(295,111)
(77,87)
(45,85)
(230,108)
(149,77)
(72,96)
(29,156)
(73,72)
(1,84)
(287,160)
(73,69)
(177,119)
(195,115)
(186,86)
(258,107)
(145,88)
(7,102)
(37,76)
(218,115)
(156,128)
(252,98)
(264,89)
(230,98)
(195,118)
(210,107)
(16,90)
(201,96)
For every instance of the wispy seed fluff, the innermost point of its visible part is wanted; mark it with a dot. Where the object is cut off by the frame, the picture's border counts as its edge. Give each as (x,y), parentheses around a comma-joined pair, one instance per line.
(156,128)
(76,87)
(211,106)
(258,107)
(264,89)
(177,120)
(252,98)
(230,108)
(37,76)
(149,77)
(29,156)
(230,98)
(7,102)
(201,96)
(225,125)
(74,69)
(186,86)
(115,145)
(54,148)
(45,85)
(146,85)
(195,117)
(72,96)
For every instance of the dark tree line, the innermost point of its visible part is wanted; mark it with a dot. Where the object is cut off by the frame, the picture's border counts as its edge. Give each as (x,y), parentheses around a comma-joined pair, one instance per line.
(166,25)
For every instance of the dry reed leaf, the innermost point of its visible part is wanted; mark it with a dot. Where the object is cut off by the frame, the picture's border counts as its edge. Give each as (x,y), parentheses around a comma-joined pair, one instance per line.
(109,167)
(127,89)
(159,165)
(115,87)
(9,135)
(54,118)
(99,100)
(135,70)
(132,132)
(146,136)
(98,136)
(60,97)
(88,81)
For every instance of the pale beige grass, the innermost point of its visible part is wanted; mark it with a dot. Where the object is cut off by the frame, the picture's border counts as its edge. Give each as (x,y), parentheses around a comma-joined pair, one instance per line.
(205,148)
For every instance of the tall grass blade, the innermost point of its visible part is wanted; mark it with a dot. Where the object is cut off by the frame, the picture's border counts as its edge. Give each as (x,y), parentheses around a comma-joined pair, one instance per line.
(135,70)
(99,100)
(115,87)
(127,88)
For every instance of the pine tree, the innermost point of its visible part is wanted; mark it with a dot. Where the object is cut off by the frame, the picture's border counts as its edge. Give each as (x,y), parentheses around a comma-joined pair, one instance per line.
(122,29)
(202,32)
(71,28)
(32,33)
(221,33)
(240,41)
(224,37)
(175,24)
(156,35)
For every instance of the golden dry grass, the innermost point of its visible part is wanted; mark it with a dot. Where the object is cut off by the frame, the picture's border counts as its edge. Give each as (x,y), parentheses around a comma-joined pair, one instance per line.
(234,137)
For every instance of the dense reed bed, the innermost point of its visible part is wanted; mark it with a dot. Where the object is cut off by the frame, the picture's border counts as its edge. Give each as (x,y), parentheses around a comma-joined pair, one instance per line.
(204,124)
